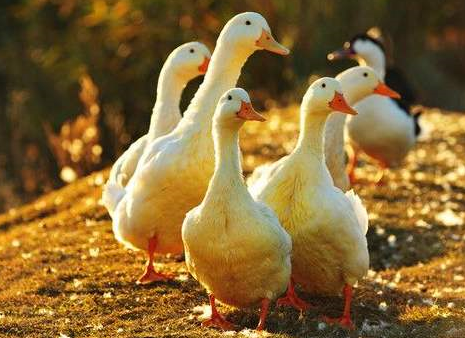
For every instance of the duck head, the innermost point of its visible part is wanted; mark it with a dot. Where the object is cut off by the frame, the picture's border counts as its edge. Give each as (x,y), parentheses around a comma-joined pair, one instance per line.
(234,108)
(249,32)
(324,96)
(365,49)
(361,81)
(190,60)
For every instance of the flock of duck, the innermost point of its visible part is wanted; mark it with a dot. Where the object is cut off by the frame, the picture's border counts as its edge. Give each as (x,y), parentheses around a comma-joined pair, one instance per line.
(180,187)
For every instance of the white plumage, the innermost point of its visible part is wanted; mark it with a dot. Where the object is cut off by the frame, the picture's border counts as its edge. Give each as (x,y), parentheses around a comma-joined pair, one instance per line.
(182,65)
(327,226)
(235,247)
(357,83)
(173,174)
(384,129)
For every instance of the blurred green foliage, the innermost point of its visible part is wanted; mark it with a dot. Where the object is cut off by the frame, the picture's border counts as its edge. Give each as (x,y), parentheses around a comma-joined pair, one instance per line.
(47,46)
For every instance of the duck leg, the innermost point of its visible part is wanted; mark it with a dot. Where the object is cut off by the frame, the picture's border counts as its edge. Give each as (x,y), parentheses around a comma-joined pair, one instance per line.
(291,299)
(216,319)
(380,175)
(263,314)
(345,320)
(352,164)
(150,275)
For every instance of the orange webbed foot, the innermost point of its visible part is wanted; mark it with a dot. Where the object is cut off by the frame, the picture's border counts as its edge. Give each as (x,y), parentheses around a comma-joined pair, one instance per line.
(344,322)
(218,321)
(291,299)
(150,276)
(295,302)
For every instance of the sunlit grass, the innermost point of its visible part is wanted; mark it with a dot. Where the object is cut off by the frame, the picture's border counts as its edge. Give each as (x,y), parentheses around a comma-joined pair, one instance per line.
(64,274)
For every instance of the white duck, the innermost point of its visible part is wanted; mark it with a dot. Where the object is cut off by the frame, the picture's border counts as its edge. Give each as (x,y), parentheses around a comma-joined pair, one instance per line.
(384,129)
(173,174)
(182,65)
(328,227)
(234,245)
(357,83)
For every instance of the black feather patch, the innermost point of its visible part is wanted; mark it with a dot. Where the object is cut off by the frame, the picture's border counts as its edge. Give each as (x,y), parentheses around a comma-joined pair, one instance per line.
(364,37)
(396,79)
(416,118)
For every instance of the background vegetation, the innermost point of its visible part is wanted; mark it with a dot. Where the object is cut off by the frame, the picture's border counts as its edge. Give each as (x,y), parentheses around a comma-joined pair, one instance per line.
(96,63)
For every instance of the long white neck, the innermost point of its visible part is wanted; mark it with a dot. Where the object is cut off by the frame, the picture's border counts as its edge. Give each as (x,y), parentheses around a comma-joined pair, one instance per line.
(335,135)
(375,60)
(227,178)
(166,113)
(223,72)
(311,137)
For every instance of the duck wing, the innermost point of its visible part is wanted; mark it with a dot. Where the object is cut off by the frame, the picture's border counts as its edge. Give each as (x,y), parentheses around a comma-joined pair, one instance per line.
(397,80)
(359,209)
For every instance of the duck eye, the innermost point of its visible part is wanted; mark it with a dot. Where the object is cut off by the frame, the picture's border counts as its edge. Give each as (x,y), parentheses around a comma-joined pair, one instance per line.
(229,97)
(365,74)
(191,50)
(248,23)
(323,85)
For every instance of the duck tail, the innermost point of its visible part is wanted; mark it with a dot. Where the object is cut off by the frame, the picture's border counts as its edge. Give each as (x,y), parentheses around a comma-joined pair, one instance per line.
(359,209)
(256,174)
(111,195)
(416,119)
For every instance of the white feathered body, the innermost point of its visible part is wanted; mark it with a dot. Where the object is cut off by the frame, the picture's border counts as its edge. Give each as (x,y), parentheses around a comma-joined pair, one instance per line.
(237,250)
(179,68)
(124,167)
(329,244)
(172,175)
(235,246)
(382,130)
(167,185)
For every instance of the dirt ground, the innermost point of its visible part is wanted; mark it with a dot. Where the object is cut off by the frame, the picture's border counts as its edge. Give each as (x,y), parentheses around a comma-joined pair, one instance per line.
(64,275)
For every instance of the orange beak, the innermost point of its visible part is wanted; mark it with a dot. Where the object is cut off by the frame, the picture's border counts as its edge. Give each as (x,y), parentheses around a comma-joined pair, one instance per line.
(339,104)
(266,41)
(383,89)
(204,66)
(248,113)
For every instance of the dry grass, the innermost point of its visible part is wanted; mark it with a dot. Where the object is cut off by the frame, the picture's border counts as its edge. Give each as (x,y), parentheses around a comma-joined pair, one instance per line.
(63,274)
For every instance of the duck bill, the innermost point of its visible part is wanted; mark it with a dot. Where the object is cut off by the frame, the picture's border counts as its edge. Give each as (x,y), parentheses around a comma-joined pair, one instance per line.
(339,104)
(345,53)
(204,66)
(248,113)
(267,41)
(383,89)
